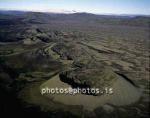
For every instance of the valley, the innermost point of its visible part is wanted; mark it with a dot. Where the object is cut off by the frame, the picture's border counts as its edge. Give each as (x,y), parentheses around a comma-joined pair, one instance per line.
(74,50)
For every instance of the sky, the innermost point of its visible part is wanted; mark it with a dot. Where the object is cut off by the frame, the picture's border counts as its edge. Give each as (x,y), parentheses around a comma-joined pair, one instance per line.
(91,6)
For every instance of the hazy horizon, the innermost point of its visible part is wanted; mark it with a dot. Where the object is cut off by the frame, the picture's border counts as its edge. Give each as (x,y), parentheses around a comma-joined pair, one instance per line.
(70,6)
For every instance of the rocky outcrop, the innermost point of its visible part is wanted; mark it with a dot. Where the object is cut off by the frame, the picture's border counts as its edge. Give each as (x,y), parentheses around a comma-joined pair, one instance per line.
(90,77)
(70,51)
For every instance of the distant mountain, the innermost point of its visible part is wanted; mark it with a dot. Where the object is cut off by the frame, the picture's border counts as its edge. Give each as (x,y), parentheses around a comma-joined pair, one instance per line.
(47,17)
(11,12)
